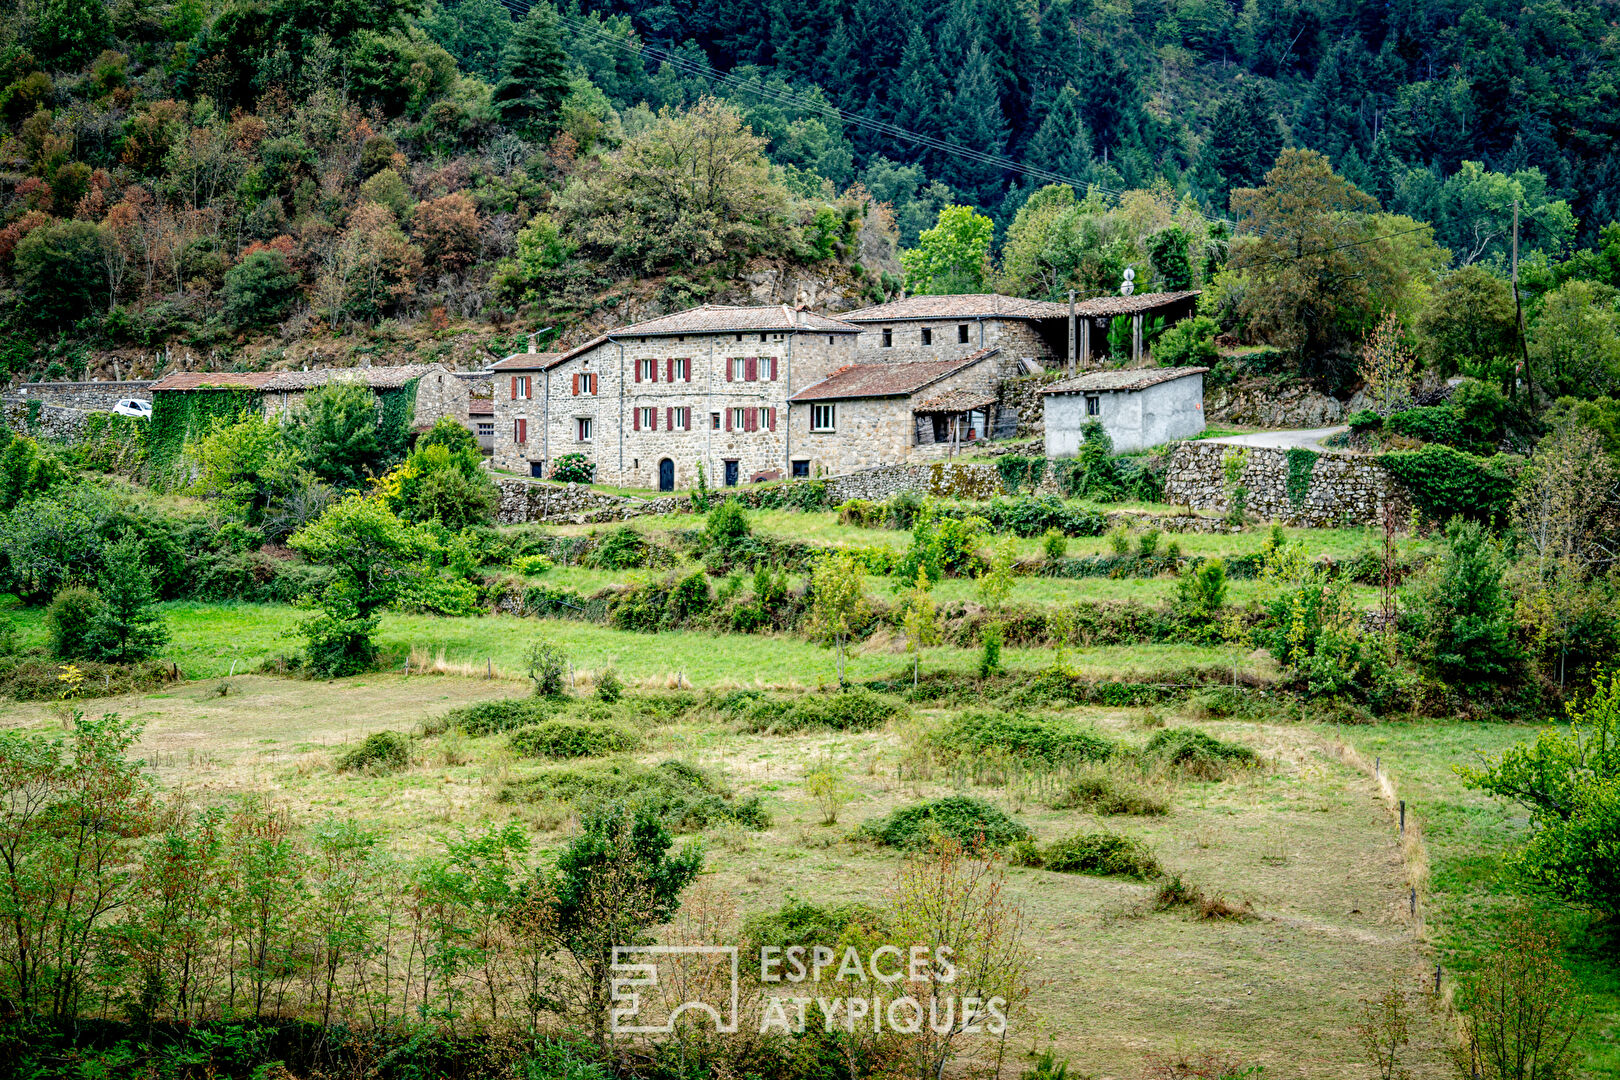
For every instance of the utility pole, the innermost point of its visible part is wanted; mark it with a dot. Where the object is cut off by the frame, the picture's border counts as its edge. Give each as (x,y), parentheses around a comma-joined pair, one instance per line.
(1518,313)
(1071,332)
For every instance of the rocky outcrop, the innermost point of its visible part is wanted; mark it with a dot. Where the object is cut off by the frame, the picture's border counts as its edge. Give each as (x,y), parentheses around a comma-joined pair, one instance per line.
(1270,404)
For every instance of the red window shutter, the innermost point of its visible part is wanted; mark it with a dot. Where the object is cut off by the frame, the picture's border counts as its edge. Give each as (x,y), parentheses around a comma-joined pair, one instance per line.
(751,369)
(636,420)
(638,371)
(773,369)
(689,373)
(669,370)
(688,414)
(773,418)
(528,386)
(669,419)
(514,388)
(652,418)
(731,368)
(728,419)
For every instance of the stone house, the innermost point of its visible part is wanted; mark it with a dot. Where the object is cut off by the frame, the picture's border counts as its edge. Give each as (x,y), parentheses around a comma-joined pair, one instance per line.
(437,390)
(866,415)
(1138,407)
(650,402)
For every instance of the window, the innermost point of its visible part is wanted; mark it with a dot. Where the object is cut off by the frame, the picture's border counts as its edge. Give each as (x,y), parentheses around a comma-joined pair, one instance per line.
(714,421)
(520,431)
(738,420)
(801,469)
(646,419)
(762,337)
(486,431)
(522,387)
(680,419)
(1093,405)
(647,370)
(962,333)
(823,417)
(584,383)
(680,369)
(927,335)
(582,428)
(888,338)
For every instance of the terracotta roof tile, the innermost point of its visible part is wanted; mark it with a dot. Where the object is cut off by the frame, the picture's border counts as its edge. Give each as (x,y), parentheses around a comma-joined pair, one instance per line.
(535,361)
(1128,305)
(723,318)
(480,406)
(213,380)
(378,378)
(957,401)
(963,306)
(887,380)
(1125,379)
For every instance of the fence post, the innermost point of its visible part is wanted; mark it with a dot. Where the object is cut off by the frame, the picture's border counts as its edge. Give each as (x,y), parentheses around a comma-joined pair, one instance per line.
(1403,817)
(1414,901)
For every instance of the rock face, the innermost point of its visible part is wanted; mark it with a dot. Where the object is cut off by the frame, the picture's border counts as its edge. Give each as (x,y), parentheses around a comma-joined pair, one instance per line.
(1272,406)
(1295,487)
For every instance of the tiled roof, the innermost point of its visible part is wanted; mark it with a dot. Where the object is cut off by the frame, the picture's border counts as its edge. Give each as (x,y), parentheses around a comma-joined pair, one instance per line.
(723,318)
(535,361)
(378,378)
(480,406)
(1128,305)
(194,380)
(1126,379)
(957,401)
(965,306)
(887,380)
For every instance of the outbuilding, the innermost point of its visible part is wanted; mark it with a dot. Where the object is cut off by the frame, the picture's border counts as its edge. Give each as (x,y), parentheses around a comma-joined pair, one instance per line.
(1138,407)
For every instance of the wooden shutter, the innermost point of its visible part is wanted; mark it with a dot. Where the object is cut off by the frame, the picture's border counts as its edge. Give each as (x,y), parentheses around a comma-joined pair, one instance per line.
(638,371)
(728,419)
(751,369)
(688,414)
(652,418)
(520,431)
(689,374)
(514,388)
(773,369)
(669,418)
(772,412)
(636,421)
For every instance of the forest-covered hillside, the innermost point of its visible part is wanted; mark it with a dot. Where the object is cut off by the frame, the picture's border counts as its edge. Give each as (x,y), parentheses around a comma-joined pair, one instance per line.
(235,178)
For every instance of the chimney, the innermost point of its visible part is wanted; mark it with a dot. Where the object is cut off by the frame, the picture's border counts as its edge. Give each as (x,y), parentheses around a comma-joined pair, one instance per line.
(532,349)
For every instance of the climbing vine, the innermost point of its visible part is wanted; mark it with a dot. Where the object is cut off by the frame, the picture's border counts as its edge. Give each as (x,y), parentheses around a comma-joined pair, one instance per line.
(1017,471)
(35,407)
(1447,483)
(113,443)
(397,417)
(178,416)
(1301,465)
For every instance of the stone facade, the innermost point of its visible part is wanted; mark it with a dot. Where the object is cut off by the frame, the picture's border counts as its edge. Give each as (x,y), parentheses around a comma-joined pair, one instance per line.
(438,393)
(1022,397)
(91,396)
(1017,339)
(1341,489)
(1135,419)
(872,431)
(54,422)
(629,446)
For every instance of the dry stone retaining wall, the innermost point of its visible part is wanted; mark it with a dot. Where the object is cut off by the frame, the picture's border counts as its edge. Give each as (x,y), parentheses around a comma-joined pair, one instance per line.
(53,422)
(89,396)
(1340,488)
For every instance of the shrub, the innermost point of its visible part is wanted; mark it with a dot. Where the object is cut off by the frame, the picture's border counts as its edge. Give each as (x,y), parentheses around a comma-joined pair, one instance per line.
(381,751)
(1446,482)
(546,665)
(990,650)
(903,509)
(971,822)
(1364,421)
(1199,754)
(531,565)
(680,796)
(862,513)
(688,600)
(573,468)
(622,549)
(1189,343)
(1200,596)
(1101,853)
(572,739)
(854,709)
(1460,615)
(1103,789)
(1054,544)
(1055,740)
(69,619)
(609,687)
(491,717)
(1430,423)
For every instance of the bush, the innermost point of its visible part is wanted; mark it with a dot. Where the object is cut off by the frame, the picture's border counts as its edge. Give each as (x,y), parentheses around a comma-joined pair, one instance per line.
(863,513)
(259,290)
(622,549)
(491,717)
(382,751)
(1054,545)
(903,509)
(1364,421)
(1108,789)
(1200,596)
(546,665)
(971,822)
(680,796)
(574,468)
(1430,423)
(1189,343)
(854,709)
(1199,754)
(573,739)
(1101,853)
(990,650)
(609,687)
(1446,482)
(69,619)
(1459,616)
(1054,740)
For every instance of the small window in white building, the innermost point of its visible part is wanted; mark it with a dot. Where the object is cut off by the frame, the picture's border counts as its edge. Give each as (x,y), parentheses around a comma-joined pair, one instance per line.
(927,335)
(823,417)
(486,431)
(1093,405)
(582,427)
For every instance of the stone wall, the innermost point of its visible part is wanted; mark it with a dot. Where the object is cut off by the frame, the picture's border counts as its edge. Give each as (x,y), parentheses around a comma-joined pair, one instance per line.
(93,396)
(1022,395)
(1341,489)
(534,500)
(439,393)
(1272,405)
(54,422)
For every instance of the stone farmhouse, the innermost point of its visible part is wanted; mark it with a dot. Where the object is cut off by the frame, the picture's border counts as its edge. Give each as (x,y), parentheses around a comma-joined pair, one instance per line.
(650,402)
(438,392)
(1138,407)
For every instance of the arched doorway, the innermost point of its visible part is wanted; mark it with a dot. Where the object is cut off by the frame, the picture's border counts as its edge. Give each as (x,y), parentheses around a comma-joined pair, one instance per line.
(666,475)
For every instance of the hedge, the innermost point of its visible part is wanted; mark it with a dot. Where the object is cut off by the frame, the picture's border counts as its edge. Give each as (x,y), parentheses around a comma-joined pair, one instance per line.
(1447,483)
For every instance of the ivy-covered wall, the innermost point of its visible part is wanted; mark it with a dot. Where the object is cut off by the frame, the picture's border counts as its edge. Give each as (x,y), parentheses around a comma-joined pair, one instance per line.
(397,418)
(180,415)
(1296,486)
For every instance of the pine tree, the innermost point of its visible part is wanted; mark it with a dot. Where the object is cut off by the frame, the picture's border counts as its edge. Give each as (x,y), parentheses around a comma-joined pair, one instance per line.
(976,121)
(1055,60)
(920,103)
(1244,137)
(127,627)
(1008,39)
(1062,145)
(958,33)
(530,94)
(801,30)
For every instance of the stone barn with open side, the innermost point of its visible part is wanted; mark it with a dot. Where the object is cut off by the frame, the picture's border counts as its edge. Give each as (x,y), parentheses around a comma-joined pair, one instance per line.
(1138,407)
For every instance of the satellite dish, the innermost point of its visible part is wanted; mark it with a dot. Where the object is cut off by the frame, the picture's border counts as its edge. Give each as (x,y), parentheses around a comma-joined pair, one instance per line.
(1128,286)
